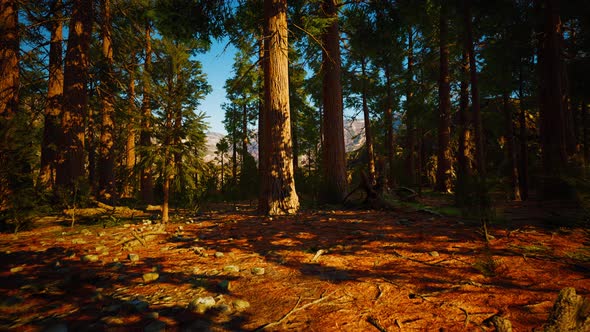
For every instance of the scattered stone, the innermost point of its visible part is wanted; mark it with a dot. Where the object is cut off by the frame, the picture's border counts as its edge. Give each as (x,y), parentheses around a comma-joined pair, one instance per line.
(151,276)
(133,257)
(225,285)
(180,228)
(201,304)
(126,225)
(101,248)
(16,269)
(241,305)
(231,269)
(434,253)
(86,232)
(153,315)
(219,254)
(146,222)
(89,258)
(56,265)
(78,241)
(257,271)
(110,320)
(101,234)
(155,326)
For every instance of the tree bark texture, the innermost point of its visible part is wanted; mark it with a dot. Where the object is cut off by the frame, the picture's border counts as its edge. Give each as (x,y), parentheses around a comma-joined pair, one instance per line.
(9,67)
(106,162)
(410,115)
(130,181)
(278,194)
(570,313)
(368,133)
(443,169)
(53,109)
(334,154)
(70,168)
(464,141)
(145,136)
(389,128)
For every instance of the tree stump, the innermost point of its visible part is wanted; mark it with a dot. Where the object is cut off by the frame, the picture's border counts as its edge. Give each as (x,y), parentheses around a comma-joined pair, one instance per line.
(571,312)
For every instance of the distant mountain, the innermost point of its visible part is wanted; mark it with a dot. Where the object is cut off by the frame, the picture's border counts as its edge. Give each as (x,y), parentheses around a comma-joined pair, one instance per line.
(354,139)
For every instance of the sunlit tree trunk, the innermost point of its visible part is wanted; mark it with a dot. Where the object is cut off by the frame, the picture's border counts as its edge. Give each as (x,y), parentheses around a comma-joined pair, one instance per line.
(334,158)
(106,162)
(278,194)
(367,119)
(145,137)
(410,116)
(70,168)
(510,148)
(130,181)
(9,83)
(475,104)
(443,169)
(53,108)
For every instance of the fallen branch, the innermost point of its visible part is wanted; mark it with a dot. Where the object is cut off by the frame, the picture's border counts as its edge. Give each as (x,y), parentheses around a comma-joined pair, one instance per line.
(317,255)
(373,321)
(142,241)
(293,310)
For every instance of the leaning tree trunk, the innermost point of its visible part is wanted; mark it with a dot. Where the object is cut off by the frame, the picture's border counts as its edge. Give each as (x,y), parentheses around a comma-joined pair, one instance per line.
(145,136)
(278,194)
(70,168)
(334,154)
(368,133)
(106,162)
(443,169)
(53,107)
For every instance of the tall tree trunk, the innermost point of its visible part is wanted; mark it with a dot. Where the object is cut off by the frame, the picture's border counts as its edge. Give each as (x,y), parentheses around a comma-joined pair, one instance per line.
(523,171)
(130,143)
(477,122)
(367,119)
(9,84)
(234,158)
(295,138)
(410,114)
(389,131)
(510,147)
(263,174)
(463,151)
(443,169)
(106,162)
(145,136)
(279,194)
(53,108)
(585,133)
(244,139)
(335,185)
(553,145)
(70,168)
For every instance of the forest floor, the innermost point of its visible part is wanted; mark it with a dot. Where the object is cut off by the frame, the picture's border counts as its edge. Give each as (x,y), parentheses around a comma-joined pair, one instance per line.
(345,270)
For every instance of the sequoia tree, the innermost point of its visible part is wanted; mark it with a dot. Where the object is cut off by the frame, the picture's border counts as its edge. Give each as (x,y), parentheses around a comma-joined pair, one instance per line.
(278,194)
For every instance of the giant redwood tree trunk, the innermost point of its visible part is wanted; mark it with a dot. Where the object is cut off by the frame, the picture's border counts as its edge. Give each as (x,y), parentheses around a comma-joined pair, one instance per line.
(70,168)
(106,162)
(553,145)
(334,155)
(53,109)
(278,194)
(443,169)
(146,181)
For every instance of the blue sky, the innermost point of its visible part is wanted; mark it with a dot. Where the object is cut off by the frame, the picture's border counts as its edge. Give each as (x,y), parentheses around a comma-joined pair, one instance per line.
(217,64)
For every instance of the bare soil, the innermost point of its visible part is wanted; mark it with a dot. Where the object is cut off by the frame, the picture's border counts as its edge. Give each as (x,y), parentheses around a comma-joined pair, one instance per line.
(323,271)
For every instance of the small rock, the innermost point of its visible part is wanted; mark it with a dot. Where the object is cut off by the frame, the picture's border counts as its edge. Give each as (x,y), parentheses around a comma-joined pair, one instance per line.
(151,276)
(258,271)
(16,269)
(101,234)
(231,268)
(223,308)
(155,326)
(101,248)
(201,304)
(133,257)
(180,228)
(241,305)
(78,241)
(110,320)
(89,258)
(86,232)
(126,225)
(434,253)
(219,254)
